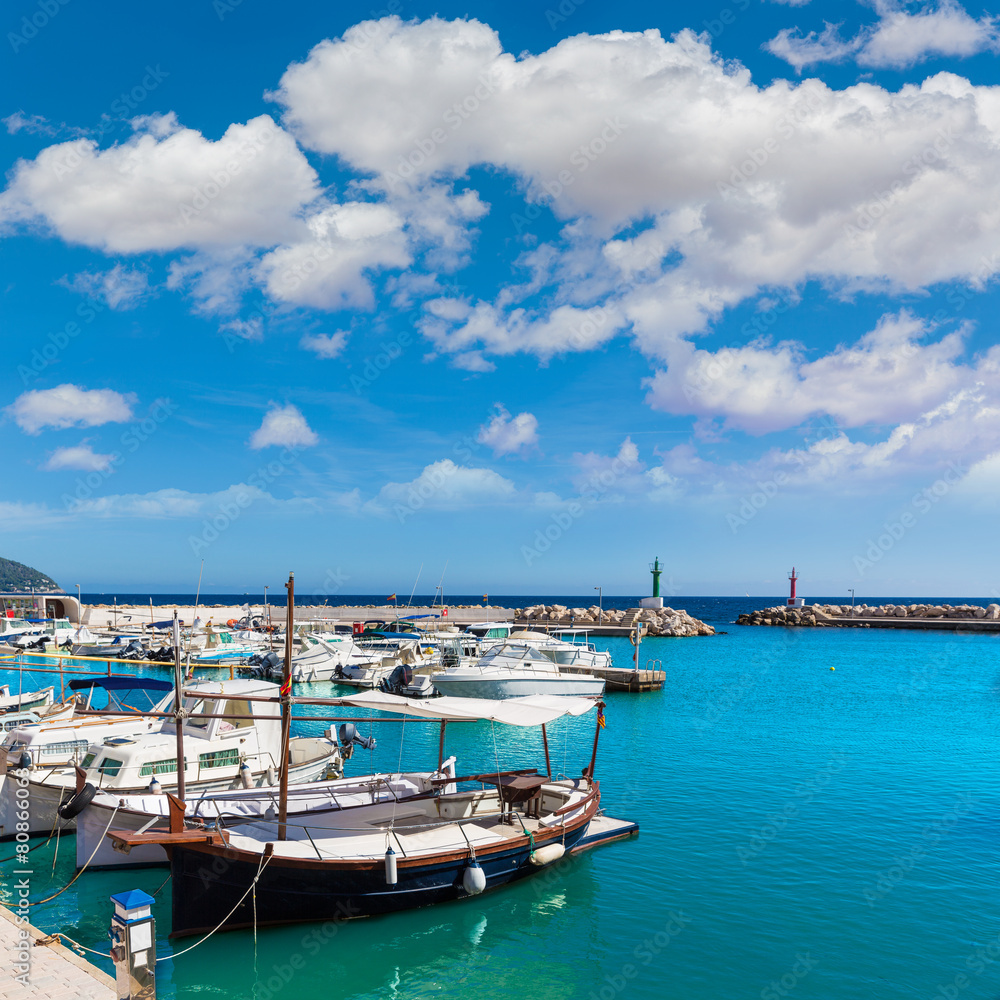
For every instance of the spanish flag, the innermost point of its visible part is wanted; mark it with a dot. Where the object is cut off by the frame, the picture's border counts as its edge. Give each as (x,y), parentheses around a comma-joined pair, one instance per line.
(286,687)
(486,597)
(391,597)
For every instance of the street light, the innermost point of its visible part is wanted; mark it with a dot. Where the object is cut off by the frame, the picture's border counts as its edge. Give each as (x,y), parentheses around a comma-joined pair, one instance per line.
(851,592)
(600,605)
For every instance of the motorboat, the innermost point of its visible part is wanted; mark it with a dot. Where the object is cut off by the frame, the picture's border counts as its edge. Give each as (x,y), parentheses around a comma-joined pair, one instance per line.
(24,701)
(574,652)
(62,740)
(230,739)
(452,843)
(511,670)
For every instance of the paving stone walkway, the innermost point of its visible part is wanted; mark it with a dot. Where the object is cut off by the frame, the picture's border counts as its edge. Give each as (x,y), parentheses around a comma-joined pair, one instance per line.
(56,972)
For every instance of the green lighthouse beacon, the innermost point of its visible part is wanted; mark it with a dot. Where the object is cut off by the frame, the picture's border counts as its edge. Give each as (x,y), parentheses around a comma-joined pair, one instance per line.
(655,601)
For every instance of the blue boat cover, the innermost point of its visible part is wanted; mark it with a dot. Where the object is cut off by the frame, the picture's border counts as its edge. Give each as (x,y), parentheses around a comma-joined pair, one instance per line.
(120,683)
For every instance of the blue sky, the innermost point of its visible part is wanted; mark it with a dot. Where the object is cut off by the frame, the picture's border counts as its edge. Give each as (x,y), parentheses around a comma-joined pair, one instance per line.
(534,292)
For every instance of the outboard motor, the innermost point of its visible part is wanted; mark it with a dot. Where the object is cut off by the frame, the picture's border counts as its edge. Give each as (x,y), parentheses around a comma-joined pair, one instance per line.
(348,737)
(397,680)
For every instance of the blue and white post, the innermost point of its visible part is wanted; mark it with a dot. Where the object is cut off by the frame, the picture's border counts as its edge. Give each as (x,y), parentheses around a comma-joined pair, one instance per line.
(133,945)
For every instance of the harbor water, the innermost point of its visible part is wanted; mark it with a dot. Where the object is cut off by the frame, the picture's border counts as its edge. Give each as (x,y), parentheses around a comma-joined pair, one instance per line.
(819,814)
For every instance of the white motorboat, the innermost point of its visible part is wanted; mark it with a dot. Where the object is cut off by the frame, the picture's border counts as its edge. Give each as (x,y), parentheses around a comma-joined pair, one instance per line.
(62,739)
(328,656)
(229,741)
(24,701)
(514,670)
(576,652)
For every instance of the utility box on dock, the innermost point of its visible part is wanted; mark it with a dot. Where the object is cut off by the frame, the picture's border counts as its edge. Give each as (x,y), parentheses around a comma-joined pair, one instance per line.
(133,945)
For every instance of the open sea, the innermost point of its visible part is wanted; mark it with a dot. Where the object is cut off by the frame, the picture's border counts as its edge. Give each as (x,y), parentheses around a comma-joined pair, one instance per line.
(806,832)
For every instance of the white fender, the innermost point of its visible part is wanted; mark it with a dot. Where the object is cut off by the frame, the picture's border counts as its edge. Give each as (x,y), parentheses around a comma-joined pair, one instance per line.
(547,854)
(474,879)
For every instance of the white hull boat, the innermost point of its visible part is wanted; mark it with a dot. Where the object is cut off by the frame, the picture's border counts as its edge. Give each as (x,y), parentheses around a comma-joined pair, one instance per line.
(514,671)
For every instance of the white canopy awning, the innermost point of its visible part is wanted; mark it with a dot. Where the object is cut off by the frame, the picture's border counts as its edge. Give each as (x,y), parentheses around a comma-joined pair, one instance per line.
(535,710)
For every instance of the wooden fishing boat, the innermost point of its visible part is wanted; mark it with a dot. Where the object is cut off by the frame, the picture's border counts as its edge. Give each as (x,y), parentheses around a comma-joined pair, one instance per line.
(447,844)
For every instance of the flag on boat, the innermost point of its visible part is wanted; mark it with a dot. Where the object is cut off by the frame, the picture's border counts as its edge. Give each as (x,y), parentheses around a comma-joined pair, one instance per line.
(286,687)
(600,718)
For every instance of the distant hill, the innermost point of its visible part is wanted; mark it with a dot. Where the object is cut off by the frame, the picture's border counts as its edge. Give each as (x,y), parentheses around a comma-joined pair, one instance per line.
(17,576)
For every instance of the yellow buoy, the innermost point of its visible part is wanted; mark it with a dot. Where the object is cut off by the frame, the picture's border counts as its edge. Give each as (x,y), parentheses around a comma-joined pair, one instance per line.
(833,668)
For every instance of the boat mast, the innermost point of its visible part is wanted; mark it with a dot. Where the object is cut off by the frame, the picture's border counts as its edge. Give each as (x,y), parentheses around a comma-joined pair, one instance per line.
(178,708)
(286,711)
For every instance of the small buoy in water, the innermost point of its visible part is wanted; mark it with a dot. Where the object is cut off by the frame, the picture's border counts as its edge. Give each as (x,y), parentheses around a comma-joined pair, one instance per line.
(474,878)
(245,776)
(833,668)
(390,867)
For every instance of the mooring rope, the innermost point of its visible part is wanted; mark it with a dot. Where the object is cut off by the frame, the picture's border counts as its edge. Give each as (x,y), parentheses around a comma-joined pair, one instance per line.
(93,853)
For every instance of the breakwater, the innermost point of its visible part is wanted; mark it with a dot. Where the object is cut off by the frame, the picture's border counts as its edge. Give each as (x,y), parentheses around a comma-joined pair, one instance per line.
(960,617)
(664,622)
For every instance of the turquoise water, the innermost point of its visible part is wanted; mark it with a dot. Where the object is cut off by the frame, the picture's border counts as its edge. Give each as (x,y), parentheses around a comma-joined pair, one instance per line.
(830,832)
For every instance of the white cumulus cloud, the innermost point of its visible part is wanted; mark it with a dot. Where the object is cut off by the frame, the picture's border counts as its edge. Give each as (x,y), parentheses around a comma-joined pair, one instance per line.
(508,435)
(325,345)
(283,426)
(81,457)
(69,405)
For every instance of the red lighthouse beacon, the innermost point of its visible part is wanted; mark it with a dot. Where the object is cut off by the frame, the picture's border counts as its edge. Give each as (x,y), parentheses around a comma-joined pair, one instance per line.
(793,601)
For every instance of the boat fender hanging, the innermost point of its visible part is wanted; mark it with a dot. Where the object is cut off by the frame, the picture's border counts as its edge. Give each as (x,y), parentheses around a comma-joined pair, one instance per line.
(547,854)
(474,878)
(25,763)
(79,802)
(271,775)
(154,787)
(246,778)
(390,867)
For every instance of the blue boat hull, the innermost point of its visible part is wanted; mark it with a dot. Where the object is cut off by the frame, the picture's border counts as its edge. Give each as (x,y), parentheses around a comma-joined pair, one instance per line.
(207,887)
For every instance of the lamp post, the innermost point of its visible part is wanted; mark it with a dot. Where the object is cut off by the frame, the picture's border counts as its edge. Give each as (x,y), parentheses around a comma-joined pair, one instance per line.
(600,605)
(851,592)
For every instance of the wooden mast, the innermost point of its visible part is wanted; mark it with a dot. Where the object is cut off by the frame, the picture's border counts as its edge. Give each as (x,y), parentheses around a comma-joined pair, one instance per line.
(286,711)
(178,707)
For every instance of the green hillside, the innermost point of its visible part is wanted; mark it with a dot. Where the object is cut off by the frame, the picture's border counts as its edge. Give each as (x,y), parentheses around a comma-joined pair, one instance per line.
(17,576)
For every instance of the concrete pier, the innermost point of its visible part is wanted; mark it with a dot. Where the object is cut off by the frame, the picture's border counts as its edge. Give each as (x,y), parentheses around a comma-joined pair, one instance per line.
(55,972)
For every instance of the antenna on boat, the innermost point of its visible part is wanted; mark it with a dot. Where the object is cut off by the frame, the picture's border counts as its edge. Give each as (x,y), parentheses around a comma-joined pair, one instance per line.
(197,596)
(286,711)
(440,587)
(415,582)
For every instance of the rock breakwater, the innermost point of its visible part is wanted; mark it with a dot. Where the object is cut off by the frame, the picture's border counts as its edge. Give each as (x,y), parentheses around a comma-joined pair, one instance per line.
(664,622)
(868,615)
